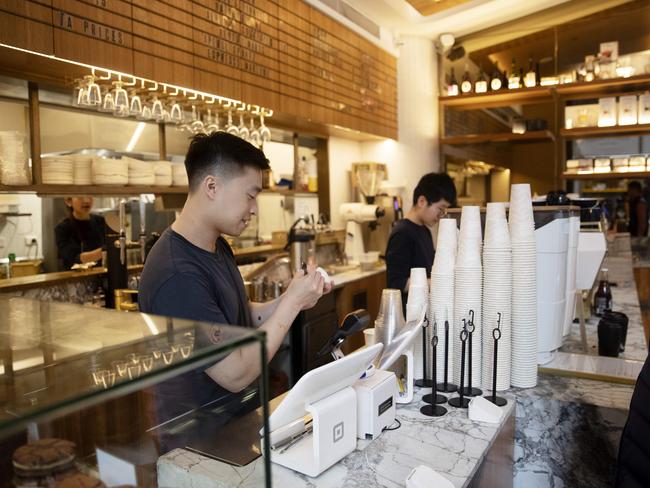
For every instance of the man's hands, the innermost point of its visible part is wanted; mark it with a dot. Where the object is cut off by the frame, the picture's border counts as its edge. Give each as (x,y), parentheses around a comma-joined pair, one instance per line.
(306,288)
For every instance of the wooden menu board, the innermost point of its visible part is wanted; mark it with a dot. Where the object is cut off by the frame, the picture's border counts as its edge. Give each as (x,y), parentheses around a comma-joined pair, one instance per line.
(282,54)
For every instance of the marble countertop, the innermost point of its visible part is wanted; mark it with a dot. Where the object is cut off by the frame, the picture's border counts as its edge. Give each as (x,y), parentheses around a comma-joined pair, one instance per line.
(453,445)
(341,279)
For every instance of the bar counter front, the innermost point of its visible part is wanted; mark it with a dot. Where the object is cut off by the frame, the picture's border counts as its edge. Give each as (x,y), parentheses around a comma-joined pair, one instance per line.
(97,378)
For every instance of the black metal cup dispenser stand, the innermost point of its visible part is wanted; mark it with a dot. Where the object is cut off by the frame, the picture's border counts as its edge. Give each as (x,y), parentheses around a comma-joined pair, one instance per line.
(496,335)
(434,410)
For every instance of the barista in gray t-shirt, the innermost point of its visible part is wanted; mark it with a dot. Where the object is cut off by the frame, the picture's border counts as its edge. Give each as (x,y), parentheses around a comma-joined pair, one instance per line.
(191,272)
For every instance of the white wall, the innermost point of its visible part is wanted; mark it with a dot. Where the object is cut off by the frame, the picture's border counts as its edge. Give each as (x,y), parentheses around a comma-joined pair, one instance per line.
(416,150)
(13,230)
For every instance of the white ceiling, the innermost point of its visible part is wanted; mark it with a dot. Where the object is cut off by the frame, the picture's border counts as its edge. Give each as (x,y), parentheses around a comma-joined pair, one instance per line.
(402,19)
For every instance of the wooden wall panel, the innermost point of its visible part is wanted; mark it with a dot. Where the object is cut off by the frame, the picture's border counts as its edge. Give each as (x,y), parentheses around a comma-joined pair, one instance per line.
(283,54)
(27,25)
(93,35)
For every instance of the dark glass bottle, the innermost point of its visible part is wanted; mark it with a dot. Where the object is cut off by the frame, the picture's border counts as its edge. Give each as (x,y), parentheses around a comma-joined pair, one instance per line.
(514,80)
(496,81)
(481,85)
(603,296)
(530,79)
(466,84)
(452,87)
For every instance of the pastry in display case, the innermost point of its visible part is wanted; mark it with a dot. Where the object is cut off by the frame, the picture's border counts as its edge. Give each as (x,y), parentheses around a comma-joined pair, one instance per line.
(93,397)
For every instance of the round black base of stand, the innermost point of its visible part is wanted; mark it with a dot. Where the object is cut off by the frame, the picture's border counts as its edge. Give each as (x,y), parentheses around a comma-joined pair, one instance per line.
(424,383)
(455,402)
(472,392)
(439,399)
(498,401)
(433,411)
(449,389)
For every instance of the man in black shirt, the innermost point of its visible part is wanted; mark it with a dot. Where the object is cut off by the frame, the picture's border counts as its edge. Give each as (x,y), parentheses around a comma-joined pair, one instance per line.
(410,244)
(191,272)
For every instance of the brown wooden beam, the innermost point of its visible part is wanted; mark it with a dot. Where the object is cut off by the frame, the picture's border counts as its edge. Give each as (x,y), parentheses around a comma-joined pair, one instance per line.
(34,132)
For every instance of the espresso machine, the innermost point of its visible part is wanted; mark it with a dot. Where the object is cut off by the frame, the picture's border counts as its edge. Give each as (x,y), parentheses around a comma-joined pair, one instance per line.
(371,216)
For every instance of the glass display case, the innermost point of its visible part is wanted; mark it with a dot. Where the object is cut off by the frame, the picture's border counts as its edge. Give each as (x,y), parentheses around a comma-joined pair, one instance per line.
(124,388)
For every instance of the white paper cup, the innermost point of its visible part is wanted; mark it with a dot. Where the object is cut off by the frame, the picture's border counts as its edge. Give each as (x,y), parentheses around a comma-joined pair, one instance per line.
(369,336)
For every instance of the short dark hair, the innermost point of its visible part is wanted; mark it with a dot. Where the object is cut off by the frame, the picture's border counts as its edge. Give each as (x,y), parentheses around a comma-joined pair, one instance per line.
(434,187)
(222,154)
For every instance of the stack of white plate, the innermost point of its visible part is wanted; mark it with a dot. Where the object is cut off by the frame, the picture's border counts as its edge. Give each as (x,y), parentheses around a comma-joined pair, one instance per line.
(441,301)
(82,169)
(140,172)
(468,285)
(163,173)
(14,169)
(110,171)
(179,175)
(418,298)
(497,296)
(57,170)
(523,372)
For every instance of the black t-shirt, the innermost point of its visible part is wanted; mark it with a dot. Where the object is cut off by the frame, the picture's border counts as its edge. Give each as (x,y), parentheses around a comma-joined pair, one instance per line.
(409,246)
(76,236)
(182,280)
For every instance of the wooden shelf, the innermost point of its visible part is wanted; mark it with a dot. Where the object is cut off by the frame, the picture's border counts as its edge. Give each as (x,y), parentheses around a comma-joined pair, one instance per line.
(584,132)
(532,136)
(606,176)
(499,98)
(540,94)
(594,88)
(289,192)
(71,190)
(606,190)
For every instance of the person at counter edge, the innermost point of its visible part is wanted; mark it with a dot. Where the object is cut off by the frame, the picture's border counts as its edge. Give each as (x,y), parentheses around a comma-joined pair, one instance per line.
(191,271)
(638,210)
(80,236)
(410,244)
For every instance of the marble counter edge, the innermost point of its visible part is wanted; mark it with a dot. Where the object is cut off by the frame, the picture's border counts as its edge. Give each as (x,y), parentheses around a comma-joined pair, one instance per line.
(463,446)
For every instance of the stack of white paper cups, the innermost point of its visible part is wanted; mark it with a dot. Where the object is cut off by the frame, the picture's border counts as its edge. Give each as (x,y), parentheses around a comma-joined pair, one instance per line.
(418,298)
(524,288)
(441,302)
(497,296)
(468,286)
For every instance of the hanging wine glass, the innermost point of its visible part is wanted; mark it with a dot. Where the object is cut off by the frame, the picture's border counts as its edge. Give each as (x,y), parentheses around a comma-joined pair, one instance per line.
(109,104)
(265,132)
(196,126)
(230,127)
(157,111)
(79,91)
(213,122)
(176,113)
(135,108)
(254,134)
(121,99)
(146,113)
(94,93)
(243,130)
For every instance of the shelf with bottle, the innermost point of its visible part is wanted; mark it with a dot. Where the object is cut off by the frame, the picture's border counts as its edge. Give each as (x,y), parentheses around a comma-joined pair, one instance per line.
(585,132)
(606,176)
(544,91)
(499,137)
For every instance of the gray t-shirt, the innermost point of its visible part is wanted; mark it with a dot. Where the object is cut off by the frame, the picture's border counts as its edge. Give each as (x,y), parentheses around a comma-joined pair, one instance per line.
(184,281)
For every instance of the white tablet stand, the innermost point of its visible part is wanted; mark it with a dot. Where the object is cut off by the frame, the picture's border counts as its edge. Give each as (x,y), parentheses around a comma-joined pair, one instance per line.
(326,394)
